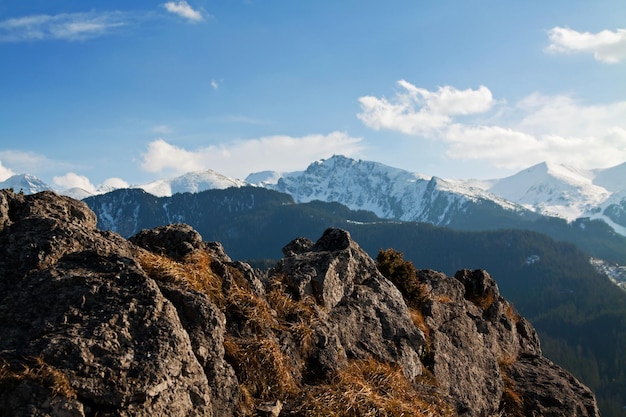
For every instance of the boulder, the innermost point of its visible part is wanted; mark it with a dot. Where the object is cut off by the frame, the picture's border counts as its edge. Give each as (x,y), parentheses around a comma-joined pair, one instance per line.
(367,315)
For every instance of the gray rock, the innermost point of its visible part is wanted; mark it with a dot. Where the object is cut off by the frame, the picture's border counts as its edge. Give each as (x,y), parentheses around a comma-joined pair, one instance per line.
(479,344)
(174,240)
(85,331)
(367,314)
(77,299)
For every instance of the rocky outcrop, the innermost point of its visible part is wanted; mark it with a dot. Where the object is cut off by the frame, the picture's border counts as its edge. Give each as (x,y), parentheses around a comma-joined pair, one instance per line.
(165,324)
(76,300)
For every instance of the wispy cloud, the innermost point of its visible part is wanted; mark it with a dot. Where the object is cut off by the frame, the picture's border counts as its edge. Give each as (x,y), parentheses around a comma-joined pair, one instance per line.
(238,159)
(163,129)
(537,128)
(28,162)
(183,9)
(215,84)
(65,26)
(606,46)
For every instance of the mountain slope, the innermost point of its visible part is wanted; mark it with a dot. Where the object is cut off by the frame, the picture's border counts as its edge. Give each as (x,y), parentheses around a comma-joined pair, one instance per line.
(25,183)
(553,190)
(192,182)
(394,193)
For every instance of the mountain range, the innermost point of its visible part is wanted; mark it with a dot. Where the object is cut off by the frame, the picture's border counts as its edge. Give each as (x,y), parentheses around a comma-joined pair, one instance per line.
(391,193)
(579,314)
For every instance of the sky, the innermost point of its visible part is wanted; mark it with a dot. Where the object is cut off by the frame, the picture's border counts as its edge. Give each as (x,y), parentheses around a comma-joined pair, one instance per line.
(117,93)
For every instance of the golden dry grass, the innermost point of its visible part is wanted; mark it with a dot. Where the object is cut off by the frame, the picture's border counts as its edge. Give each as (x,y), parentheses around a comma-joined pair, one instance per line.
(511,313)
(299,317)
(512,403)
(262,368)
(369,388)
(417,317)
(483,301)
(194,270)
(37,370)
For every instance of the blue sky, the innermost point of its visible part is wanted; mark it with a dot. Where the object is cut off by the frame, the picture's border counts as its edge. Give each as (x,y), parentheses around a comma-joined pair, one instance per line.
(122,92)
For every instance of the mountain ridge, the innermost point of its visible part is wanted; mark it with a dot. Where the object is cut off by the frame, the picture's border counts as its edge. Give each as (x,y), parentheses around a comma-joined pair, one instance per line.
(393,193)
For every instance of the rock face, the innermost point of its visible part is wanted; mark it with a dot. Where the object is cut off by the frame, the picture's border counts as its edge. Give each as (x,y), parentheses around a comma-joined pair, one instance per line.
(165,324)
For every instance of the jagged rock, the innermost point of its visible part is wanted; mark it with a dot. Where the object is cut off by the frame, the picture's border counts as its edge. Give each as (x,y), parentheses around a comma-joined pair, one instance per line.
(174,240)
(270,409)
(548,390)
(297,246)
(206,326)
(86,331)
(478,343)
(40,229)
(367,314)
(77,299)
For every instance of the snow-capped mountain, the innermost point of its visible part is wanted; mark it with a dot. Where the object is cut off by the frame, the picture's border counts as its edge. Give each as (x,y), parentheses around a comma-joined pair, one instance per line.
(554,190)
(392,193)
(389,192)
(25,183)
(192,182)
(570,193)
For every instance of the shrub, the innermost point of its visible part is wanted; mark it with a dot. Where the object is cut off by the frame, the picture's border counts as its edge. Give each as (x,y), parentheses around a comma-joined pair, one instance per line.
(402,274)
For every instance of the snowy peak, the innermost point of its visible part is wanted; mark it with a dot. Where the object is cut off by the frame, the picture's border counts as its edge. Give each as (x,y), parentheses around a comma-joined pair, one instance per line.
(551,189)
(613,179)
(388,192)
(28,184)
(192,182)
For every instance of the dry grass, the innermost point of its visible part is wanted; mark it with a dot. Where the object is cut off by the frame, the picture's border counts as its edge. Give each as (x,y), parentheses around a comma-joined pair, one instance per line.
(443,298)
(369,388)
(511,313)
(417,317)
(194,270)
(483,301)
(298,317)
(512,403)
(37,370)
(262,368)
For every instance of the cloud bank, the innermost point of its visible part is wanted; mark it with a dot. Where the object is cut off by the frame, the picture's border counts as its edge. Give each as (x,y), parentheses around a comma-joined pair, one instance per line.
(535,129)
(238,159)
(606,46)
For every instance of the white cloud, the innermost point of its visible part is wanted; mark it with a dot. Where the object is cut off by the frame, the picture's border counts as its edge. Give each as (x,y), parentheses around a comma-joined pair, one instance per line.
(5,172)
(535,129)
(183,9)
(65,26)
(215,84)
(238,159)
(73,180)
(419,111)
(606,46)
(115,182)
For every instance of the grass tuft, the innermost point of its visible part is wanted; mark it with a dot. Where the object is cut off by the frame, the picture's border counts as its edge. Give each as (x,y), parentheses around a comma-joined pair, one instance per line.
(194,271)
(369,388)
(37,370)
